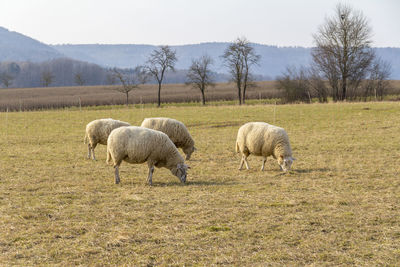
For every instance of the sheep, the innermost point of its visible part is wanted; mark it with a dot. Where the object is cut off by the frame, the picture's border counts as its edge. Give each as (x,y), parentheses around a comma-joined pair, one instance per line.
(138,145)
(263,139)
(97,132)
(176,131)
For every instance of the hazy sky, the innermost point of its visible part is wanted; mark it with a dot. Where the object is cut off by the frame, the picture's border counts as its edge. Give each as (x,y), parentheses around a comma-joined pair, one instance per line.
(174,22)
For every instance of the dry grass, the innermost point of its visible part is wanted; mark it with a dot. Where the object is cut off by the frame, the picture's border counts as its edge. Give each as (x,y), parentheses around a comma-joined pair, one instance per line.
(340,205)
(56,97)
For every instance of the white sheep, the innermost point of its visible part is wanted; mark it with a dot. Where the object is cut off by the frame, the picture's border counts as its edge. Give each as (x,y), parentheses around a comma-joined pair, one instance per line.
(137,145)
(263,139)
(97,132)
(176,131)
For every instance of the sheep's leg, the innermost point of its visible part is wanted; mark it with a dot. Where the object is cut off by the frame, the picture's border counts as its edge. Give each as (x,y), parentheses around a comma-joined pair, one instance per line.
(94,157)
(89,149)
(245,161)
(241,163)
(150,176)
(117,180)
(263,163)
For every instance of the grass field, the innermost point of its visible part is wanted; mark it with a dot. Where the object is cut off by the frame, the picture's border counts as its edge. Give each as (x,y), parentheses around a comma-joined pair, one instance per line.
(340,204)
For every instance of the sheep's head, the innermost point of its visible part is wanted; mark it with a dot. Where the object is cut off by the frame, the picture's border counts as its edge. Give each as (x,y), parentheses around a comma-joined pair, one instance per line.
(285,162)
(180,171)
(188,151)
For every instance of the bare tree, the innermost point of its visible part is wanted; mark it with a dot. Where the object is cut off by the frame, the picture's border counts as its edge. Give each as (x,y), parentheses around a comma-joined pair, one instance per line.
(377,83)
(79,80)
(160,60)
(317,85)
(343,52)
(110,77)
(47,78)
(129,80)
(250,58)
(6,79)
(295,84)
(239,57)
(200,76)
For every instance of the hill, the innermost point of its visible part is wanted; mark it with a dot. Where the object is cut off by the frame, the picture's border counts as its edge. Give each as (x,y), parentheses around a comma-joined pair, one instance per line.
(18,47)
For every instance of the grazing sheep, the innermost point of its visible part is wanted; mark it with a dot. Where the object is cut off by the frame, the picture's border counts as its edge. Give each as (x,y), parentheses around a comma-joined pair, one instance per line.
(138,145)
(176,131)
(97,132)
(263,139)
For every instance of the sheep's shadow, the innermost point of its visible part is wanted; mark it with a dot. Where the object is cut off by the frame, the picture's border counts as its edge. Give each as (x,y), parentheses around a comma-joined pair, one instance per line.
(192,183)
(302,171)
(187,161)
(310,170)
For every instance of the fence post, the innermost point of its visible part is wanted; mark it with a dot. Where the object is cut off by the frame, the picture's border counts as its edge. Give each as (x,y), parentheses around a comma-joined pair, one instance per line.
(7,125)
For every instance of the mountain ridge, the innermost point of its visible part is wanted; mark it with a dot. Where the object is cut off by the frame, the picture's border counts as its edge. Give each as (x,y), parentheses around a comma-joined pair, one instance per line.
(17,47)
(274,59)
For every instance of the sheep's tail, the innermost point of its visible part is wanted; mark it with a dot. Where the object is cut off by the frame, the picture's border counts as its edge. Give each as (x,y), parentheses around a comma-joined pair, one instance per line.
(86,139)
(237,147)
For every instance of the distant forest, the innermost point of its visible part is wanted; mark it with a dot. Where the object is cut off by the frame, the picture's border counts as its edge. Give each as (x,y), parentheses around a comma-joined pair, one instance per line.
(56,72)
(69,72)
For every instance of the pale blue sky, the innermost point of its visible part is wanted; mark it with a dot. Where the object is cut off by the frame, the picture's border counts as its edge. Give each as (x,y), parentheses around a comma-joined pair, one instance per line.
(175,22)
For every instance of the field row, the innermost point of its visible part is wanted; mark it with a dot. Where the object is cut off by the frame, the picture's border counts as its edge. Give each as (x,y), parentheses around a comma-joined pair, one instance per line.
(59,97)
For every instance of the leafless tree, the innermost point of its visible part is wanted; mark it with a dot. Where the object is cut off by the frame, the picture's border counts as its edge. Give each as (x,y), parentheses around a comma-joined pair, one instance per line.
(6,79)
(200,75)
(343,52)
(250,58)
(79,80)
(47,78)
(129,80)
(160,60)
(377,83)
(295,84)
(110,77)
(317,85)
(239,57)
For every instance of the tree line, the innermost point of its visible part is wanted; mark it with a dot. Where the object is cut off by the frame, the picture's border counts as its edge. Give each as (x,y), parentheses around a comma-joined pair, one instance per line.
(238,57)
(344,67)
(56,72)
